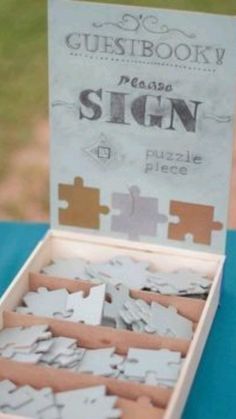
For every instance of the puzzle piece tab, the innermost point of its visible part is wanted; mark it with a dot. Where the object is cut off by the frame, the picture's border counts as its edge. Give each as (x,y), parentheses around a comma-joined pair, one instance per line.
(139,216)
(194,219)
(83,205)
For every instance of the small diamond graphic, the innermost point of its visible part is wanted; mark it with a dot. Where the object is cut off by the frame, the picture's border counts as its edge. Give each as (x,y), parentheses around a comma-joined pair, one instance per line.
(102,151)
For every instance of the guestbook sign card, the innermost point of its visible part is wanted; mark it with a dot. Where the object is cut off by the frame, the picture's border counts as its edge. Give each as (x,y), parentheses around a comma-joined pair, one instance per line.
(142,106)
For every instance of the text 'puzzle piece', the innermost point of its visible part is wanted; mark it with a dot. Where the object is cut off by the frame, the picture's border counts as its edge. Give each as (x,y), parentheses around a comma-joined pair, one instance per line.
(139,216)
(83,205)
(194,219)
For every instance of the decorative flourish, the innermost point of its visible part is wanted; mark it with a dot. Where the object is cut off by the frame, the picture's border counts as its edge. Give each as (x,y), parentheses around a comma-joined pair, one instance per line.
(68,105)
(222,119)
(150,23)
(128,22)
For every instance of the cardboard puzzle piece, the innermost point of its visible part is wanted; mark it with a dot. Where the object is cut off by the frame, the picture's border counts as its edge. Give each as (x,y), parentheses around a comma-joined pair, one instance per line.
(42,402)
(194,219)
(73,268)
(46,303)
(115,299)
(181,282)
(121,270)
(167,322)
(139,216)
(83,205)
(63,352)
(87,309)
(101,362)
(61,305)
(19,339)
(136,314)
(10,396)
(164,363)
(87,403)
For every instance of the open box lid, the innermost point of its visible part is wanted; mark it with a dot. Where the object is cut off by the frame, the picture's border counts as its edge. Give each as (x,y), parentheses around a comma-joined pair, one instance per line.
(141,107)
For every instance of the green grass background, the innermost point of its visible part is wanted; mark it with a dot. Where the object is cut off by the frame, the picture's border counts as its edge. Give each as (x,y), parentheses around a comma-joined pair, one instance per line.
(23,65)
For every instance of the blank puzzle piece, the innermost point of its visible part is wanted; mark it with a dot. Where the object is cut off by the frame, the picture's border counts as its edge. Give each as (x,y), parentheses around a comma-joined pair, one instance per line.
(134,209)
(132,274)
(164,363)
(121,270)
(194,219)
(87,403)
(167,322)
(136,314)
(65,353)
(46,303)
(181,282)
(73,268)
(116,297)
(83,205)
(19,338)
(87,309)
(62,305)
(101,362)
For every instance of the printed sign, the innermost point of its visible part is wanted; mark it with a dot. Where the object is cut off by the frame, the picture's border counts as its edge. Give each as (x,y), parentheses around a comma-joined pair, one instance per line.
(141,105)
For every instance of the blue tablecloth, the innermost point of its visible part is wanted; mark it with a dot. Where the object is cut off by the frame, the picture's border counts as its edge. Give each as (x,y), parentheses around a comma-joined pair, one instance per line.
(213,394)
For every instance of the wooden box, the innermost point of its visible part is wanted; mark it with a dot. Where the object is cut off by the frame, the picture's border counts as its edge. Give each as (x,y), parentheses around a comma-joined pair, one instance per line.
(141,104)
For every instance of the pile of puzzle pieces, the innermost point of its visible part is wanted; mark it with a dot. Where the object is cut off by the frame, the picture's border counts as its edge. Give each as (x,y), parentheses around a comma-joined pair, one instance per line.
(37,345)
(92,403)
(133,274)
(108,305)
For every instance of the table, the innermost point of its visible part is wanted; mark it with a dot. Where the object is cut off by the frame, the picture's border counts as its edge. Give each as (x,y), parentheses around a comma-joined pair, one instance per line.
(213,394)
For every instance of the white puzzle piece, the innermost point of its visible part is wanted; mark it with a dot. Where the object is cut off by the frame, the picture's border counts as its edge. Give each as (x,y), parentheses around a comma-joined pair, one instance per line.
(87,309)
(72,268)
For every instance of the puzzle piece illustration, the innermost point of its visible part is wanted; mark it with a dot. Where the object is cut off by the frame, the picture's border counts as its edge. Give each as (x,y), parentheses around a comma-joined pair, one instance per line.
(194,219)
(121,270)
(139,216)
(83,205)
